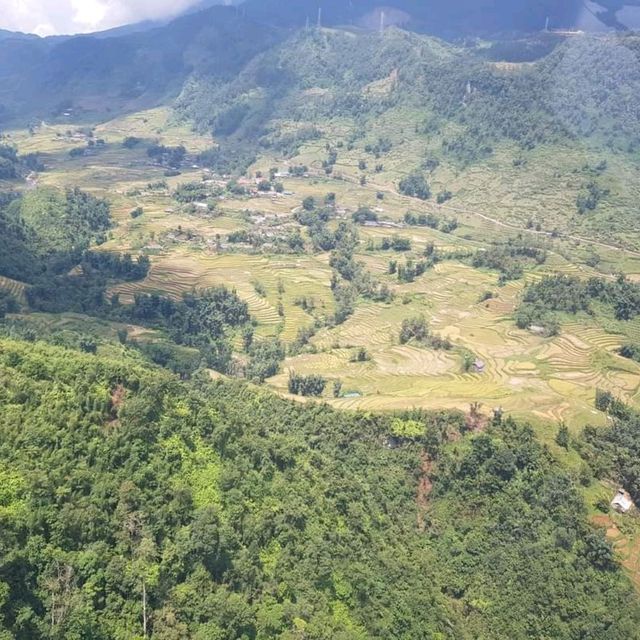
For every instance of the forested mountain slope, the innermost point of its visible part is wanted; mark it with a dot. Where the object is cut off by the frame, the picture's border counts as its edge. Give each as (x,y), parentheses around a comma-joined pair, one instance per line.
(46,77)
(131,502)
(317,75)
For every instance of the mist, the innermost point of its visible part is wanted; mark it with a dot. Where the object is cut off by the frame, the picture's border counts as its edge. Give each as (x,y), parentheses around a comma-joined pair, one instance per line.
(57,17)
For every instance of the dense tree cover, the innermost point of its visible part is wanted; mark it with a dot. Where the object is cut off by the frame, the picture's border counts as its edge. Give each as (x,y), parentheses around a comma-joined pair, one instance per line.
(8,303)
(510,259)
(414,329)
(470,105)
(310,385)
(227,159)
(131,70)
(78,294)
(569,294)
(614,451)
(512,517)
(265,357)
(46,232)
(631,351)
(171,157)
(417,330)
(422,219)
(411,269)
(13,166)
(8,162)
(182,361)
(115,266)
(192,192)
(364,214)
(415,186)
(198,320)
(131,501)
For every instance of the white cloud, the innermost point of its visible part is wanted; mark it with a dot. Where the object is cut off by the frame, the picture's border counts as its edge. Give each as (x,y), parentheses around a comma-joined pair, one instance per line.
(47,17)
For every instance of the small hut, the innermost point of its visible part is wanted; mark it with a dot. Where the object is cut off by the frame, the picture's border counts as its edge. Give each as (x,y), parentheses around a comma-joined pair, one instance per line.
(479,366)
(622,502)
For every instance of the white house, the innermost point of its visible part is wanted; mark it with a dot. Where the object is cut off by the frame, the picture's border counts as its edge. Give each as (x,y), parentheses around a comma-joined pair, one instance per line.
(622,502)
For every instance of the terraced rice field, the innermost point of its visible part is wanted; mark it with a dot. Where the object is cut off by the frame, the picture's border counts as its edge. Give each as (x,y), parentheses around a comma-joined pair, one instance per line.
(181,272)
(544,379)
(14,287)
(550,379)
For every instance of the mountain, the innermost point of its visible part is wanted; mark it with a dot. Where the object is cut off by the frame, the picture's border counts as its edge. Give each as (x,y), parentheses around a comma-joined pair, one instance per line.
(314,76)
(133,504)
(43,77)
(412,236)
(145,64)
(456,18)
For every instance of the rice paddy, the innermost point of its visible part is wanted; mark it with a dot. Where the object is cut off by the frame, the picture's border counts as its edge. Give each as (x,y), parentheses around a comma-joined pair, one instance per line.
(546,380)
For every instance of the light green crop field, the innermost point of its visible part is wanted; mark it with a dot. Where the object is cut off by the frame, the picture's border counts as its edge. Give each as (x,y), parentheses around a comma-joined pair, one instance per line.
(546,380)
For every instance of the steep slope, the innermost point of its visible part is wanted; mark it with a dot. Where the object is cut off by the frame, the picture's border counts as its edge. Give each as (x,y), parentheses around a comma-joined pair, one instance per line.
(132,503)
(316,74)
(41,78)
(456,112)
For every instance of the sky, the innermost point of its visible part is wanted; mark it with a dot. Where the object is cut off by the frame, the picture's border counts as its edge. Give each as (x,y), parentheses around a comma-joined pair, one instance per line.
(53,17)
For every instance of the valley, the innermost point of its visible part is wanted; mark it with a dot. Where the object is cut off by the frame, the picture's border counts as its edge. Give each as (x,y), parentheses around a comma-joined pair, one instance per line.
(321,332)
(545,379)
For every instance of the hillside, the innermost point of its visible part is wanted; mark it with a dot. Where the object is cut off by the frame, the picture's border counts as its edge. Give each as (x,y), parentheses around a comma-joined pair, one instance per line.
(522,139)
(342,184)
(143,65)
(321,332)
(133,504)
(95,76)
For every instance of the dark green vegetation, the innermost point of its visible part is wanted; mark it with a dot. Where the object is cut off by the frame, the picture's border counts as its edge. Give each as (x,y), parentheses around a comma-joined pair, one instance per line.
(615,451)
(46,232)
(142,67)
(141,499)
(13,166)
(197,321)
(52,76)
(510,259)
(46,243)
(555,99)
(225,512)
(571,295)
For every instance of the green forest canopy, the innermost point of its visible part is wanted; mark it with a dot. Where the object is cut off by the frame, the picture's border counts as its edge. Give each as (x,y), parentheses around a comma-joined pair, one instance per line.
(230,513)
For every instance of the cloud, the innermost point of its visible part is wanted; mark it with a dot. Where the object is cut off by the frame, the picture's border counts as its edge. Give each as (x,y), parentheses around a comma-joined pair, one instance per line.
(48,17)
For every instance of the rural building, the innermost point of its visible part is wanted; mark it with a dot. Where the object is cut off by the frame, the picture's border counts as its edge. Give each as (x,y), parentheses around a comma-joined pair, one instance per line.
(622,502)
(479,366)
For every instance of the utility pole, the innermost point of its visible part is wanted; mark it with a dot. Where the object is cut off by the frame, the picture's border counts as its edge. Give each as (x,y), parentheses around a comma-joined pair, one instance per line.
(382,17)
(319,17)
(546,26)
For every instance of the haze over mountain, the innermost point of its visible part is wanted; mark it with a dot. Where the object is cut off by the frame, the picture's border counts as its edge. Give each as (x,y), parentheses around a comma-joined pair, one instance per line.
(145,63)
(320,325)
